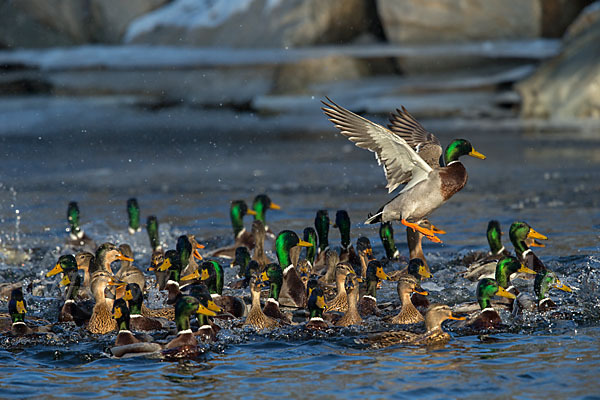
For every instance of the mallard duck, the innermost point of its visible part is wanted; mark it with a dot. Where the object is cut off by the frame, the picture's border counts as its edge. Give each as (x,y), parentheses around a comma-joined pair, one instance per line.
(368,302)
(71,310)
(407,285)
(316,306)
(133,212)
(419,270)
(207,329)
(434,335)
(340,301)
(322,227)
(77,237)
(158,255)
(256,317)
(105,255)
(135,301)
(241,237)
(481,264)
(211,274)
(185,341)
(274,275)
(519,233)
(342,222)
(84,260)
(364,251)
(505,268)
(128,272)
(488,318)
(386,233)
(242,259)
(331,261)
(544,281)
(292,290)
(352,316)
(17,308)
(414,239)
(126,344)
(172,265)
(187,247)
(309,235)
(260,205)
(427,186)
(259,234)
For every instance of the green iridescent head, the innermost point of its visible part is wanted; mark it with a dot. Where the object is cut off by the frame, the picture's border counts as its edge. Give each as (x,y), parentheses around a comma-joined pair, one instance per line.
(172,263)
(520,232)
(133,212)
(17,306)
(152,229)
(342,222)
(488,288)
(237,211)
(386,233)
(261,204)
(73,220)
(241,259)
(458,148)
(184,248)
(185,307)
(494,236)
(507,266)
(310,236)
(120,312)
(546,280)
(274,275)
(283,244)
(65,264)
(316,303)
(418,269)
(322,227)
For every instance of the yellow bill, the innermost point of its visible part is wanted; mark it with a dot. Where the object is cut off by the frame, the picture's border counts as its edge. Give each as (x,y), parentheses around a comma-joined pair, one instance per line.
(424,272)
(120,256)
(65,281)
(193,275)
(21,307)
(476,154)
(117,313)
(274,206)
(165,265)
(502,292)
(526,270)
(251,212)
(533,234)
(457,318)
(381,274)
(303,243)
(561,286)
(213,306)
(205,311)
(56,270)
(128,296)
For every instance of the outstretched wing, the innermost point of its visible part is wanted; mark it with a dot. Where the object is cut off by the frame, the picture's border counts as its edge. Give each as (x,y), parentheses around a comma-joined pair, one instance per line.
(400,162)
(424,143)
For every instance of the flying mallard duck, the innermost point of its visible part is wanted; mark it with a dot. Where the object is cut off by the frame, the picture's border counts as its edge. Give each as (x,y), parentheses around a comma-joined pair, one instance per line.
(408,154)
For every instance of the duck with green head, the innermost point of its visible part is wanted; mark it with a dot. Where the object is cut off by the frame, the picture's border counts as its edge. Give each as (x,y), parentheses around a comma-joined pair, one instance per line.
(71,310)
(185,342)
(274,275)
(133,214)
(187,247)
(260,205)
(158,255)
(241,236)
(351,316)
(342,222)
(488,318)
(241,259)
(126,343)
(77,237)
(207,329)
(293,291)
(316,306)
(135,302)
(544,282)
(322,227)
(409,155)
(368,303)
(520,233)
(364,254)
(172,265)
(386,233)
(17,308)
(310,236)
(256,318)
(505,268)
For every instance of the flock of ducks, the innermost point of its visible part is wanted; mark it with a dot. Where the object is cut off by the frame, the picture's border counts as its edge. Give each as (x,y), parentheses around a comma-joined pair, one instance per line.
(309,284)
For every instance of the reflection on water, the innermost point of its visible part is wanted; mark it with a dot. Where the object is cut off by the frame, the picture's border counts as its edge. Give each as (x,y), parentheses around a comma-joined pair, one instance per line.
(187,180)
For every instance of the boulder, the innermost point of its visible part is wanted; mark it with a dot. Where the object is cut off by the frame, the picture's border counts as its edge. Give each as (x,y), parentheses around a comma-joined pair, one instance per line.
(568,85)
(251,23)
(435,21)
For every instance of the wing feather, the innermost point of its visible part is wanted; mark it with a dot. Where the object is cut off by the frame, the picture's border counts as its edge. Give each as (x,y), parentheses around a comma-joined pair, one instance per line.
(400,162)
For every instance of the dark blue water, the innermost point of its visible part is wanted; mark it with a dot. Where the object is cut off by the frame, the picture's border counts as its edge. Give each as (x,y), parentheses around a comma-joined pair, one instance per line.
(188,178)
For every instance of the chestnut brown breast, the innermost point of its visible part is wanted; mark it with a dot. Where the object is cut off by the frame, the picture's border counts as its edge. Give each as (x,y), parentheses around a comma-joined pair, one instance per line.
(454,178)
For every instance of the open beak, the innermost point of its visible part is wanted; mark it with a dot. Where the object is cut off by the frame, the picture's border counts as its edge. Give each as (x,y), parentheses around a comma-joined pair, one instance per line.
(421,292)
(274,206)
(56,270)
(199,246)
(193,275)
(205,311)
(535,235)
(535,243)
(502,292)
(65,281)
(213,306)
(303,243)
(251,212)
(526,270)
(476,154)
(197,254)
(562,286)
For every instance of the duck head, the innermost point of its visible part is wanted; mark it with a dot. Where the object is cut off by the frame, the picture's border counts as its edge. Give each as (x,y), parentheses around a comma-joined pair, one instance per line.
(458,148)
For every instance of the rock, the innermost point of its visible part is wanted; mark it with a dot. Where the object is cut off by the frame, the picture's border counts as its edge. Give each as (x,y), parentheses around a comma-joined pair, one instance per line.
(557,15)
(568,85)
(110,18)
(417,21)
(251,23)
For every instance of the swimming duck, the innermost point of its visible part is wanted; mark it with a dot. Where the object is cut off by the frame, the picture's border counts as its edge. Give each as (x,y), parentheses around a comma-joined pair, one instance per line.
(77,237)
(128,272)
(207,329)
(260,205)
(368,302)
(340,301)
(505,268)
(158,255)
(292,290)
(256,317)
(84,260)
(310,236)
(242,259)
(488,318)
(71,310)
(211,274)
(544,282)
(134,298)
(172,265)
(17,308)
(241,237)
(316,306)
(484,263)
(519,233)
(364,253)
(351,316)
(427,186)
(414,239)
(331,261)
(342,222)
(187,248)
(418,269)
(274,275)
(259,233)
(407,285)
(434,335)
(322,227)
(386,233)
(126,344)
(133,212)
